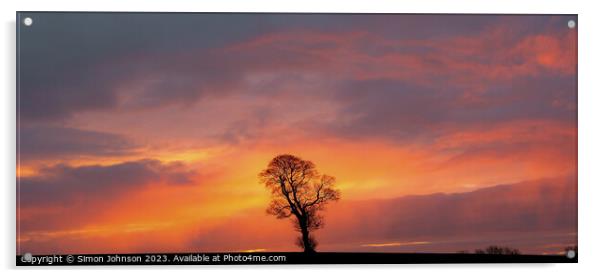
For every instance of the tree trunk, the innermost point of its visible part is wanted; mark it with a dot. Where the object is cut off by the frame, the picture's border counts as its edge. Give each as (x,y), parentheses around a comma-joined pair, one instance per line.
(307,246)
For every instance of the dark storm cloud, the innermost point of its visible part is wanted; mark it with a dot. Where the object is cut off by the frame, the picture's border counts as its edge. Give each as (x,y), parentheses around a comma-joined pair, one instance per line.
(390,108)
(401,110)
(64,185)
(73,62)
(79,62)
(42,142)
(68,60)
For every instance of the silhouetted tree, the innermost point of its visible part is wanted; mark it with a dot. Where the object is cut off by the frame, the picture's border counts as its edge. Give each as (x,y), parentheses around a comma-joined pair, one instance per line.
(299,190)
(498,250)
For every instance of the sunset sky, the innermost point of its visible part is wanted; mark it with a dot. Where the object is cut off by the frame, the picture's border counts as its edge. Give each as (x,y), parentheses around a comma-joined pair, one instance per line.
(146,132)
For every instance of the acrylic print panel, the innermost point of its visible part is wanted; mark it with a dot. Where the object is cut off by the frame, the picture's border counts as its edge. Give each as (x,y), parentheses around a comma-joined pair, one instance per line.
(266,138)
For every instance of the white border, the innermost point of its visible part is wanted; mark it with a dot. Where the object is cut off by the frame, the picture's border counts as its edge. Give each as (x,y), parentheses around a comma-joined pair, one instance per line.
(590,137)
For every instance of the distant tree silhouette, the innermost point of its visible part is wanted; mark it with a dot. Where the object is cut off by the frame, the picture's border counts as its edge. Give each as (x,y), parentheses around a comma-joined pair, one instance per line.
(299,190)
(498,250)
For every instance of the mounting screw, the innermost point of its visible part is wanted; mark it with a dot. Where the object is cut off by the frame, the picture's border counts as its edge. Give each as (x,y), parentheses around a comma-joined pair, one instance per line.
(27,21)
(27,257)
(571,24)
(570,254)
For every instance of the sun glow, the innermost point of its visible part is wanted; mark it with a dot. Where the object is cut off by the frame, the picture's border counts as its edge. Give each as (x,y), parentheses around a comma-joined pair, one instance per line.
(393,244)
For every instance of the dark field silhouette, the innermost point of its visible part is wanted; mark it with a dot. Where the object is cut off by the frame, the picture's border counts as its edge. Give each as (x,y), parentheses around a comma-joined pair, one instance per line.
(498,250)
(353,258)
